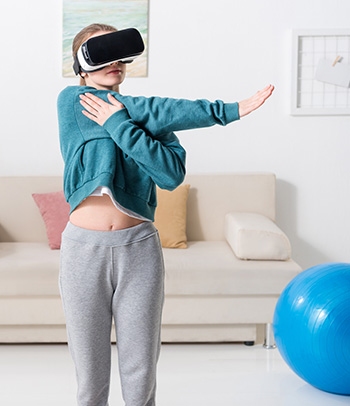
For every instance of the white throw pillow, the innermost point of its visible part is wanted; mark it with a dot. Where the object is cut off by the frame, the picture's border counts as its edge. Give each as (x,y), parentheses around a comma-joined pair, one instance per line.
(254,236)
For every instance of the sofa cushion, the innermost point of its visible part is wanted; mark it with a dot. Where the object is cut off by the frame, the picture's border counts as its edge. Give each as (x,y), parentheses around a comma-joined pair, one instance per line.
(170,216)
(55,212)
(204,268)
(28,268)
(211,268)
(254,236)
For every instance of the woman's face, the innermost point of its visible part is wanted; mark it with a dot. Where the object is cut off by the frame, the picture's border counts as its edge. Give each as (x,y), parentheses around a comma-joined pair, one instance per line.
(107,77)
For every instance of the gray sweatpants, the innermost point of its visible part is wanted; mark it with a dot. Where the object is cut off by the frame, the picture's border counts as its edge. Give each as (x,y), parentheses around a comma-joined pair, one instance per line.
(120,274)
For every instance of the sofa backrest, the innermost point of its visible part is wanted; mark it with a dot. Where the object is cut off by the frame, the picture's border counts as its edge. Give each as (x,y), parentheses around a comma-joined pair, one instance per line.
(211,196)
(20,219)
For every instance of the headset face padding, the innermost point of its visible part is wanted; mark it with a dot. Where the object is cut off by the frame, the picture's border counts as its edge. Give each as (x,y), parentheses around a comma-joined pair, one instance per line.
(98,52)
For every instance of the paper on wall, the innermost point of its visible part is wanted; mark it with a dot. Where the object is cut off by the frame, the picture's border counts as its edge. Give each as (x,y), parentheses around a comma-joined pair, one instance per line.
(338,75)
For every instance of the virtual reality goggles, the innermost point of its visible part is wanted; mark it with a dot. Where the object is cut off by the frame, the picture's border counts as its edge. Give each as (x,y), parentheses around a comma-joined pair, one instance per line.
(97,52)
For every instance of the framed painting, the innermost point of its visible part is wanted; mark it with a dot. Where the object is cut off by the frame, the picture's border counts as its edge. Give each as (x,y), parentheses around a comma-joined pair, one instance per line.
(121,14)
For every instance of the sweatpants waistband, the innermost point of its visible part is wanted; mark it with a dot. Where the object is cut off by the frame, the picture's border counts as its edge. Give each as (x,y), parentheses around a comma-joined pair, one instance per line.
(113,238)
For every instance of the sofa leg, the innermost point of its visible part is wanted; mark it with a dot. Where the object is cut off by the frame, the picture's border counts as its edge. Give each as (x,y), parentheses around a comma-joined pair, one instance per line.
(248,343)
(269,342)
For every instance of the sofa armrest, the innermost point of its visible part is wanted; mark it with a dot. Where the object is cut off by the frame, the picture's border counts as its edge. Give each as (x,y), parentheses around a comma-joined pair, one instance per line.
(254,236)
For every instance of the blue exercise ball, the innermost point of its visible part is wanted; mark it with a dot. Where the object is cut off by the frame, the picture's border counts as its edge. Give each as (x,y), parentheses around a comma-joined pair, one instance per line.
(312,326)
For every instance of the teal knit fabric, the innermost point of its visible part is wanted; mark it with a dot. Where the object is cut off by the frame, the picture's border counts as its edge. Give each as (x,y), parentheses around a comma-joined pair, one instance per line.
(134,150)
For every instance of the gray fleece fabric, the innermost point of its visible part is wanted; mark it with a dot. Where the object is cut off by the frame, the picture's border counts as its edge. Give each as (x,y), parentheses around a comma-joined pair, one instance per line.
(113,274)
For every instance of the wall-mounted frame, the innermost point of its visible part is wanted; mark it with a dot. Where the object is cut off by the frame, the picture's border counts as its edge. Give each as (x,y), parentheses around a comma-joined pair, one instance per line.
(309,95)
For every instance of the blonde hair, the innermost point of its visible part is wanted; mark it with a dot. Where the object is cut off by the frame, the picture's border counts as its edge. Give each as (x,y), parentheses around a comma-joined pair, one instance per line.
(84,35)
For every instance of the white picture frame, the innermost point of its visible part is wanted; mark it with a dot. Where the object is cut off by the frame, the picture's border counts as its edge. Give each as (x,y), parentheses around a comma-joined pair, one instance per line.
(311,96)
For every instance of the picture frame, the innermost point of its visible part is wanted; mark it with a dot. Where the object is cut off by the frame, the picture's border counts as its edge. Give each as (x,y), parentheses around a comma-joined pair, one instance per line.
(311,49)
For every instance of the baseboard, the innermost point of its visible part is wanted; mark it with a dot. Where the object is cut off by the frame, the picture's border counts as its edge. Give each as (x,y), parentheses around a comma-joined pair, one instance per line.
(208,333)
(33,334)
(170,333)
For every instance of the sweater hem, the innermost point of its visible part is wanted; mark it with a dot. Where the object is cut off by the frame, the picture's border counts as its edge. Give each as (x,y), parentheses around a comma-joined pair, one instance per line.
(137,204)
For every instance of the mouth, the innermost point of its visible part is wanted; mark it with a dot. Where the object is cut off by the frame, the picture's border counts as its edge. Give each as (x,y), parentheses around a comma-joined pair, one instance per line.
(114,72)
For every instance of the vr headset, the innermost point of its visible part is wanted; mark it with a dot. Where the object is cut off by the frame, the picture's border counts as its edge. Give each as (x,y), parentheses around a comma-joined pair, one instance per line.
(98,52)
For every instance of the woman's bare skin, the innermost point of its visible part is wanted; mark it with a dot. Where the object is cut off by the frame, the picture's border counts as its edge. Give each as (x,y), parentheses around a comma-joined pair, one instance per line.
(99,213)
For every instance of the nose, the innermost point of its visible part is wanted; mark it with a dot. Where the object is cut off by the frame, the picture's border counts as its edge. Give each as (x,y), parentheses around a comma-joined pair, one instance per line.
(115,63)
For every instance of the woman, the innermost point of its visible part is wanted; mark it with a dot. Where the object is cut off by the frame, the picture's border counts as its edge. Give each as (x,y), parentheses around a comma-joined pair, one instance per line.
(116,149)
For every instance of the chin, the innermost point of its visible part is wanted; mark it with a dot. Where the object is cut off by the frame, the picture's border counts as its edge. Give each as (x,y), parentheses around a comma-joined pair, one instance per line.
(116,82)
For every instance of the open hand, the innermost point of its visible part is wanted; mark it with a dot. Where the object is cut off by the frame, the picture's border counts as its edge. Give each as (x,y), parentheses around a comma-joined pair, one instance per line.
(97,109)
(247,106)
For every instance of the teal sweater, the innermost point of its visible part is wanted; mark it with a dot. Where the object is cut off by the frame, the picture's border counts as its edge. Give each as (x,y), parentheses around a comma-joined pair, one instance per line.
(134,150)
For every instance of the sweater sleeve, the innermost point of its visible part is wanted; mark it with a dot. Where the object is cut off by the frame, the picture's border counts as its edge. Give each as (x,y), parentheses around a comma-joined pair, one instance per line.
(163,161)
(163,115)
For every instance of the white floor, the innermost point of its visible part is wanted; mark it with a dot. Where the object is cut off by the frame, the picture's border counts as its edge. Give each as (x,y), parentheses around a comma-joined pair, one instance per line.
(188,375)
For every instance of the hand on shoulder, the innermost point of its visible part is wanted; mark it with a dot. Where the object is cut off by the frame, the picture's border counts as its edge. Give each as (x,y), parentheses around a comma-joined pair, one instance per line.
(97,109)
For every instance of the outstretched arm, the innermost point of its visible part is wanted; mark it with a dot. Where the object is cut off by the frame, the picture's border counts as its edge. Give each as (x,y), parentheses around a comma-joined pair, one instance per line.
(163,115)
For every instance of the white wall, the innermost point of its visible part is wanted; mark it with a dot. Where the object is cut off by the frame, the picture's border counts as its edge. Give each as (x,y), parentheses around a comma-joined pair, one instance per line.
(200,49)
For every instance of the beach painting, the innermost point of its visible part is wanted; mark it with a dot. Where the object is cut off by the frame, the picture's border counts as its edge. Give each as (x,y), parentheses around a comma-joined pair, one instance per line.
(121,14)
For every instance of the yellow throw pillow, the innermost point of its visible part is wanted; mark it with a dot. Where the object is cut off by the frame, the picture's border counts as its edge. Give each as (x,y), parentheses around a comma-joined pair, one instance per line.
(170,216)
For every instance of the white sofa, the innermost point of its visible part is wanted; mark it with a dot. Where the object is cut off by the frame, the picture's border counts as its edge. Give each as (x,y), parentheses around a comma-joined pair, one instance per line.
(210,294)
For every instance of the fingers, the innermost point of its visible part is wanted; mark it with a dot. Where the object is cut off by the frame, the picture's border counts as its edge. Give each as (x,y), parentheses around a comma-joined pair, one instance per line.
(94,104)
(97,109)
(91,102)
(94,99)
(114,101)
(266,92)
(267,89)
(254,102)
(88,108)
(262,95)
(90,116)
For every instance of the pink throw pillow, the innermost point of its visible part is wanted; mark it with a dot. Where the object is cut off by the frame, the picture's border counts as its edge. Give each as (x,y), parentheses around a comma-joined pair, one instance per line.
(55,212)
